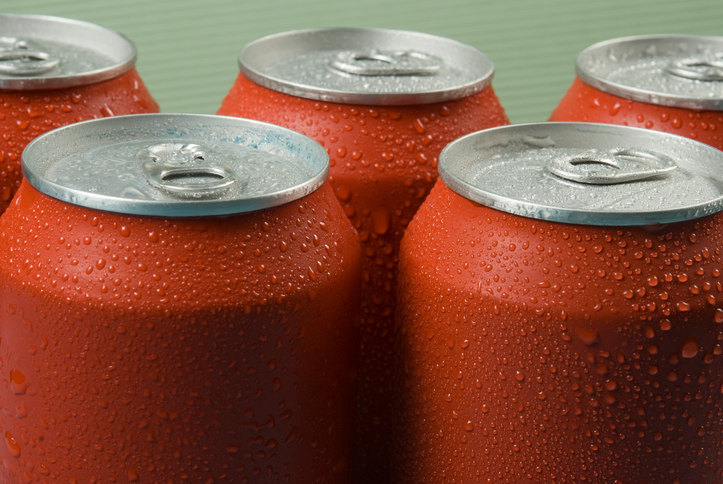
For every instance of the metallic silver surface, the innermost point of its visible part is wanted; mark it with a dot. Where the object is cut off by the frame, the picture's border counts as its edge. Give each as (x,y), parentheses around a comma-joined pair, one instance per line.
(366,66)
(584,173)
(186,170)
(698,69)
(18,59)
(684,71)
(379,63)
(40,52)
(175,165)
(592,166)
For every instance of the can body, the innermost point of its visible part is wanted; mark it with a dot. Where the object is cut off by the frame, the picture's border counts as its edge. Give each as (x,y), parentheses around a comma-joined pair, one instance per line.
(25,115)
(583,103)
(670,83)
(551,352)
(144,349)
(383,163)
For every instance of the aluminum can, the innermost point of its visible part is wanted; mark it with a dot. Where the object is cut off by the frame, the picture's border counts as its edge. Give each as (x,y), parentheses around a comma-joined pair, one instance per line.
(179,301)
(54,72)
(384,103)
(564,322)
(670,83)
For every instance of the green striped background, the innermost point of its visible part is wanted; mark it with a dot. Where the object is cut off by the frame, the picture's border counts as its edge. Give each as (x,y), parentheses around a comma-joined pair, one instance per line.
(188,48)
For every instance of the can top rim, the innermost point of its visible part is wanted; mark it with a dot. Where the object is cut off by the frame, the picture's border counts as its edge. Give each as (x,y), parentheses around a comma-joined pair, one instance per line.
(580,173)
(352,78)
(175,165)
(60,52)
(671,61)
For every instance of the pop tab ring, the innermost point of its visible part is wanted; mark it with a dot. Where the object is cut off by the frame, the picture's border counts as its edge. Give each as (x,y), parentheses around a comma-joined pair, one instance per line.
(608,167)
(387,63)
(698,69)
(175,165)
(40,52)
(18,59)
(373,67)
(184,170)
(585,173)
(664,70)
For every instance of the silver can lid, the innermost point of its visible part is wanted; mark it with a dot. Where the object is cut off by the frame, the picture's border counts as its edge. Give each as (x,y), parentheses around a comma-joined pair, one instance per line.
(40,52)
(683,71)
(585,173)
(366,66)
(175,165)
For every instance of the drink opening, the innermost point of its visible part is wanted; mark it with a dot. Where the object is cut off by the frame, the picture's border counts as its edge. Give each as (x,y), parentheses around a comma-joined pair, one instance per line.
(184,170)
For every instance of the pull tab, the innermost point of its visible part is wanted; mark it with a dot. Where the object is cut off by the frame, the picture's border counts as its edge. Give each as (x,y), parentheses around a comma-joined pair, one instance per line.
(609,167)
(17,59)
(183,170)
(708,69)
(387,63)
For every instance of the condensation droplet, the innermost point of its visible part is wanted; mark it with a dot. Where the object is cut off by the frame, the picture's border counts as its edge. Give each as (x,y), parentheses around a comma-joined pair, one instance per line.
(381,221)
(718,317)
(12,444)
(588,336)
(18,383)
(690,348)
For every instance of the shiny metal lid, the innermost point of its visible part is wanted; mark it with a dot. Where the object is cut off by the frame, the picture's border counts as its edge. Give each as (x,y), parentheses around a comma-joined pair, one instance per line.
(584,173)
(39,52)
(175,165)
(684,71)
(366,66)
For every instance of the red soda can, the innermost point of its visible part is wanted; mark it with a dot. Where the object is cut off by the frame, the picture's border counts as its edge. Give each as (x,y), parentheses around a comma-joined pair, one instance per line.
(179,301)
(54,72)
(564,324)
(670,83)
(384,103)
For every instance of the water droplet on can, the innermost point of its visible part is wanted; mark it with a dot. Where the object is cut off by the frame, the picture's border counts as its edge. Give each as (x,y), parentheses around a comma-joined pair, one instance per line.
(690,348)
(588,336)
(12,444)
